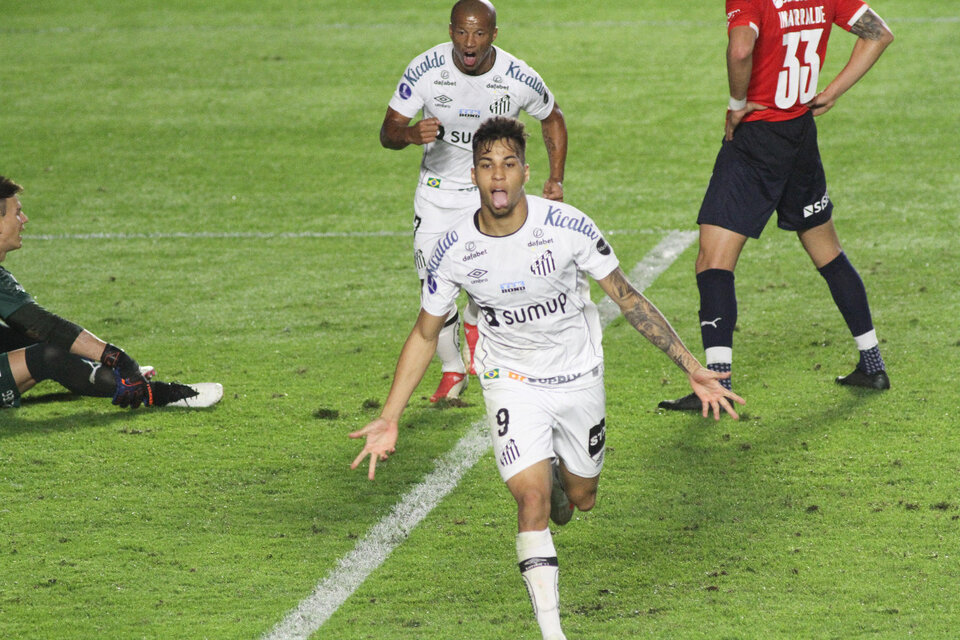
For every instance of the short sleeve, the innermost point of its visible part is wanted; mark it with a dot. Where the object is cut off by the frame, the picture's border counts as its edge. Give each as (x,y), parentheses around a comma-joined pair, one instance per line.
(743,13)
(539,100)
(406,100)
(439,294)
(848,12)
(595,256)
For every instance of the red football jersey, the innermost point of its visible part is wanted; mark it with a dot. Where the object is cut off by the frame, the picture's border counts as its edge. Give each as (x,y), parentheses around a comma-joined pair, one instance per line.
(790,49)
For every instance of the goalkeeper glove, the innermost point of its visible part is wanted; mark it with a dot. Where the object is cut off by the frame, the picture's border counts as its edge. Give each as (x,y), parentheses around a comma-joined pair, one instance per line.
(132,388)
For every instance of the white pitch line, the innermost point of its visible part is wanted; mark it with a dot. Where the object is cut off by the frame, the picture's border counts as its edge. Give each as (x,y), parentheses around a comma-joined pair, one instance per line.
(383,538)
(258,235)
(414,506)
(232,235)
(647,270)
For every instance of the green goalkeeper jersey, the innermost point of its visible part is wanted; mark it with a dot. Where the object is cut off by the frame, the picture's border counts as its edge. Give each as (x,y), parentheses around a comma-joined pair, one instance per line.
(12,295)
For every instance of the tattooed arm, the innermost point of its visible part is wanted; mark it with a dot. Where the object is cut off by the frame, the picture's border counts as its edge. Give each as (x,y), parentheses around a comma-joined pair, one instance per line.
(873,36)
(647,319)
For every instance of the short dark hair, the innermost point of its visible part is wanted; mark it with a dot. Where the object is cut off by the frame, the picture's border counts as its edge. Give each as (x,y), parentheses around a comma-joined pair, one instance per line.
(8,189)
(510,130)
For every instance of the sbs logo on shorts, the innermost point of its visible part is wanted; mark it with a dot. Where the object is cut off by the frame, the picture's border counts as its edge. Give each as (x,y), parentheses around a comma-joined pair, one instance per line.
(598,438)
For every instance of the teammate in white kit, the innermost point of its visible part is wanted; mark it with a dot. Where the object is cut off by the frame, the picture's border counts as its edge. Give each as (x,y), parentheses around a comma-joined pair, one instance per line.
(525,260)
(457,85)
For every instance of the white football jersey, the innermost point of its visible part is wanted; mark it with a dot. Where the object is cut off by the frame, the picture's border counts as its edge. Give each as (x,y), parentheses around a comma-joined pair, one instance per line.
(462,102)
(537,322)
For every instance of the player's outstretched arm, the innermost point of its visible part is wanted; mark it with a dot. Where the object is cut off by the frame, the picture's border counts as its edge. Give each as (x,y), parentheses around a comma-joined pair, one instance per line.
(43,326)
(647,319)
(873,36)
(554,129)
(396,132)
(381,434)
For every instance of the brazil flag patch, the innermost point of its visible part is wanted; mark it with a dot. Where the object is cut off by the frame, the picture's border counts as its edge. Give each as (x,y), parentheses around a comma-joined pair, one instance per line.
(492,374)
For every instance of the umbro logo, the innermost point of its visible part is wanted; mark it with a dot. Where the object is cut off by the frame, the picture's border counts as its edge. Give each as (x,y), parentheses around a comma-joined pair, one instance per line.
(477,273)
(442,99)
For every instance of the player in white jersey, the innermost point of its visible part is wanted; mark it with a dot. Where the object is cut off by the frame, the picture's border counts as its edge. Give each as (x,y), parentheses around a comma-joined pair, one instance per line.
(525,260)
(457,85)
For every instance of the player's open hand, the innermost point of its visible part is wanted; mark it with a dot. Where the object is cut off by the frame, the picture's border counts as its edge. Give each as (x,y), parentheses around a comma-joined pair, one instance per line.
(424,132)
(381,435)
(713,395)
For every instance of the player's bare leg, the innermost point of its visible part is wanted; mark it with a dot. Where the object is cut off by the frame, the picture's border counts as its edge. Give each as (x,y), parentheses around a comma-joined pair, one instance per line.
(570,491)
(536,554)
(21,374)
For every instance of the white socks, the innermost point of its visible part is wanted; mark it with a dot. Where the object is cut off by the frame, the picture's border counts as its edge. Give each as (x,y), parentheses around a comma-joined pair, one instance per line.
(867,341)
(537,558)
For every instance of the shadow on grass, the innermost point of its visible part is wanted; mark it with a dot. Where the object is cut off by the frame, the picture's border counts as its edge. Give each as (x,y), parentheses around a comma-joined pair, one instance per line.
(14,422)
(737,477)
(47,398)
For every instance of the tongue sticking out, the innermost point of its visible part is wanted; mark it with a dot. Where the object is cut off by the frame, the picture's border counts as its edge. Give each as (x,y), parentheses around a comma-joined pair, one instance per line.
(499,199)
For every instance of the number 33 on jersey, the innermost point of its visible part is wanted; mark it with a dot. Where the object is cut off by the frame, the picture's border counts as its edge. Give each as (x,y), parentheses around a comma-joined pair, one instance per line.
(791,45)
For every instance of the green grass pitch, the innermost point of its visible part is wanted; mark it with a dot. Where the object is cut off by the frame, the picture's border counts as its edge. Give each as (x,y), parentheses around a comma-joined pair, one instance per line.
(250,128)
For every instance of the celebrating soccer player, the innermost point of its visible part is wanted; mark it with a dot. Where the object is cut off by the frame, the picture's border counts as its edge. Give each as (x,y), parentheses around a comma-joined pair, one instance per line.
(524,260)
(37,345)
(769,160)
(457,85)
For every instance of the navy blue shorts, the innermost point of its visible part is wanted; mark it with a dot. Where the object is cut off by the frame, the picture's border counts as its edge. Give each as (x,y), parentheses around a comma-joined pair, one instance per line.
(768,166)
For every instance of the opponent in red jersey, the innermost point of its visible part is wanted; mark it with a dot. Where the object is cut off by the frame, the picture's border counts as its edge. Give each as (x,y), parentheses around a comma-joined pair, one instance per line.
(769,160)
(789,51)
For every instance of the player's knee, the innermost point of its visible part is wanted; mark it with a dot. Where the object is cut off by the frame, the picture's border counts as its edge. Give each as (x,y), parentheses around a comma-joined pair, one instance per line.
(532,497)
(533,504)
(584,498)
(41,359)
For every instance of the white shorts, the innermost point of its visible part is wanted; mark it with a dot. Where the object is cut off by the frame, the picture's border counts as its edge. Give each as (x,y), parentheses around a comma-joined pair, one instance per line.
(434,218)
(529,424)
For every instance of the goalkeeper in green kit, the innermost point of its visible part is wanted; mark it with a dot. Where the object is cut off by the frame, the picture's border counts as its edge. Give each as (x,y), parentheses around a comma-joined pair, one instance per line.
(37,345)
